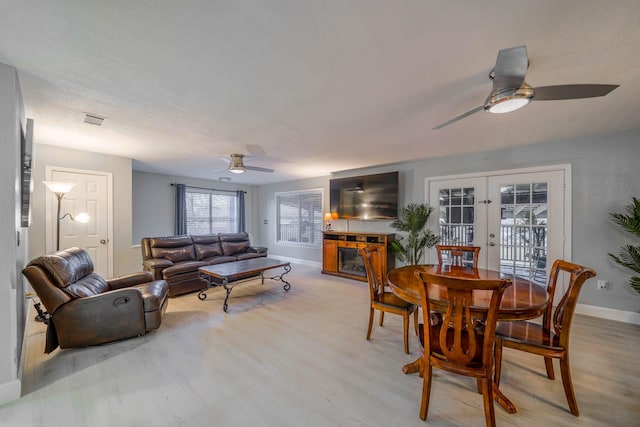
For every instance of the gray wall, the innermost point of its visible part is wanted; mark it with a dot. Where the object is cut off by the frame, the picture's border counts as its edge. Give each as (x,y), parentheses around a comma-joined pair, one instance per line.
(605,176)
(12,254)
(120,167)
(154,199)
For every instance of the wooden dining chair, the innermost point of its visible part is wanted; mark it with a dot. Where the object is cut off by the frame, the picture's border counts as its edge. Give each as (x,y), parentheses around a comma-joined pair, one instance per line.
(551,338)
(385,302)
(460,344)
(458,255)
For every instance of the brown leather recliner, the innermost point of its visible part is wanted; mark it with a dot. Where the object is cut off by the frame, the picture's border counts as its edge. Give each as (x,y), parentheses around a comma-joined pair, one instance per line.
(84,309)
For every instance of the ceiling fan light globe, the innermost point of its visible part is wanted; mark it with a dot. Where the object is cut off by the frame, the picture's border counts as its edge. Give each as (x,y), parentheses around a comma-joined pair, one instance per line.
(508,100)
(236,169)
(507,105)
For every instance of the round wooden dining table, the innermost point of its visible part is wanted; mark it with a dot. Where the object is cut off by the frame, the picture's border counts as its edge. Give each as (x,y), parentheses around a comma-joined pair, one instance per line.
(522,300)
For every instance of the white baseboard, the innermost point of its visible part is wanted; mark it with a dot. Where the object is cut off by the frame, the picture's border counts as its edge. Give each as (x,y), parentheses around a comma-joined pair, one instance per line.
(609,313)
(10,391)
(300,261)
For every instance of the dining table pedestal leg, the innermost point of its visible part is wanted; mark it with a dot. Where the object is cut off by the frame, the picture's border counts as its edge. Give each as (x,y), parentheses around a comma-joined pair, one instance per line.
(413,367)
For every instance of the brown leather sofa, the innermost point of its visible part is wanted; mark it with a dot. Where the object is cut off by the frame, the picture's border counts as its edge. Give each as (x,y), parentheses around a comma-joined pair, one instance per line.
(177,259)
(84,309)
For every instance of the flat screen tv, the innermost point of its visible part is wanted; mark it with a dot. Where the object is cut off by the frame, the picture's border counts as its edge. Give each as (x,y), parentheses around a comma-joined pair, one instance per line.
(26,187)
(365,197)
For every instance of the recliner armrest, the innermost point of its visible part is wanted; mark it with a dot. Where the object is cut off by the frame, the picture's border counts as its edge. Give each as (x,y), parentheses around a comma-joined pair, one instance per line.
(130,280)
(257,249)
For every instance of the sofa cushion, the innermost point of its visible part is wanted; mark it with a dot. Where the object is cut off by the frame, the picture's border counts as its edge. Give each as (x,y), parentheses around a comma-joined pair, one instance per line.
(184,253)
(90,285)
(207,246)
(170,242)
(181,268)
(220,259)
(250,255)
(233,244)
(65,267)
(174,248)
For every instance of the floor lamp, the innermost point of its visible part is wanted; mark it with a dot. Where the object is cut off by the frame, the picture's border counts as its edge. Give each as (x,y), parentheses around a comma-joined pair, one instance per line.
(60,188)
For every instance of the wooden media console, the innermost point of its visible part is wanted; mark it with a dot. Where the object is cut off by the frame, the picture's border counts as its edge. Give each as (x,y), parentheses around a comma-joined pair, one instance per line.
(340,255)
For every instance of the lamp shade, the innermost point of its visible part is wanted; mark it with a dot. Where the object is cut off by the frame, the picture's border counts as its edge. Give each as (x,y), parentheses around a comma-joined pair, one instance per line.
(327,216)
(59,186)
(82,218)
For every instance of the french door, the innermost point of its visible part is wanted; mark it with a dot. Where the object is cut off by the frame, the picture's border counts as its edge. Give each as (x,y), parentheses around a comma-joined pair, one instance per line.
(519,218)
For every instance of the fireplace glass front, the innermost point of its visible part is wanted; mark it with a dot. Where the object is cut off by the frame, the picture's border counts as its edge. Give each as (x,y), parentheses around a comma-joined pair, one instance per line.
(350,262)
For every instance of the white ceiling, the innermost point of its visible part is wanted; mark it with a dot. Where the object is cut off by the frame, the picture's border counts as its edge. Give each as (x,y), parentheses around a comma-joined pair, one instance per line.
(311,87)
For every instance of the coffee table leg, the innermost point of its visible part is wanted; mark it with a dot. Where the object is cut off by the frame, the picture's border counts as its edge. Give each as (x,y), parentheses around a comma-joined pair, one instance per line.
(287,285)
(202,294)
(225,282)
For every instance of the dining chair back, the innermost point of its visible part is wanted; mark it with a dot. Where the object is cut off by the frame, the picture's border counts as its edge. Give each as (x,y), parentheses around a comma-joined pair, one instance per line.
(458,255)
(460,343)
(551,338)
(380,299)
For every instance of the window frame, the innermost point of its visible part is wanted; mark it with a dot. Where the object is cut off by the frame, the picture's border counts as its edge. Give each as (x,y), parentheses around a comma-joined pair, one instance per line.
(211,223)
(318,225)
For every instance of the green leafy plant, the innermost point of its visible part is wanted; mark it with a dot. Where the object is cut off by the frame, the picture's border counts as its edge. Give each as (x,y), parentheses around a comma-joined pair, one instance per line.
(629,255)
(412,220)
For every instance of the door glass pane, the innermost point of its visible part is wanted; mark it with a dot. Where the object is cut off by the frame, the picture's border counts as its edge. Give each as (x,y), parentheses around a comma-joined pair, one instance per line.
(523,230)
(457,213)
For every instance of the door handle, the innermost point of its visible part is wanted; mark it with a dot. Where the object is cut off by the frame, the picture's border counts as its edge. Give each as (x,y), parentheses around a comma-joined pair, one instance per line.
(491,244)
(103,241)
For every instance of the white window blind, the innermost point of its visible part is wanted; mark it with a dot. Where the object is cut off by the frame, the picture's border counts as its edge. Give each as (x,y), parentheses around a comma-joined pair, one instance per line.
(299,217)
(211,212)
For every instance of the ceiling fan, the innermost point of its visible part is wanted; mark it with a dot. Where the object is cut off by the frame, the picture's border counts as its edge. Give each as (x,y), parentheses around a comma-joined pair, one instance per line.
(236,164)
(510,92)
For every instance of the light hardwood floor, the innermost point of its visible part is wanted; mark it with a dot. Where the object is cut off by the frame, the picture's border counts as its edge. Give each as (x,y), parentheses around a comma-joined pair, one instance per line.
(301,359)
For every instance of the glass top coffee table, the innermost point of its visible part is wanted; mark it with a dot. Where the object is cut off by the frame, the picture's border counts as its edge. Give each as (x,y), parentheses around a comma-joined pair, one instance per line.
(229,274)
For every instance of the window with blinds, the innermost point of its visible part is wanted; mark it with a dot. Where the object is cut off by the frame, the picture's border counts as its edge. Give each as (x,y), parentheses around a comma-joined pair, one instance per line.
(299,217)
(211,212)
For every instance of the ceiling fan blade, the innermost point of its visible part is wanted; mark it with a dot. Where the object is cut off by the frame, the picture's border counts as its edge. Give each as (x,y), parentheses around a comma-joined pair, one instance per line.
(511,67)
(554,93)
(225,158)
(461,116)
(258,169)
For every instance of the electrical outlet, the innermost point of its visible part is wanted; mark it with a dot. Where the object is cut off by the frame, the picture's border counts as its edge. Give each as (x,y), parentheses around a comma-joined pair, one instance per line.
(603,285)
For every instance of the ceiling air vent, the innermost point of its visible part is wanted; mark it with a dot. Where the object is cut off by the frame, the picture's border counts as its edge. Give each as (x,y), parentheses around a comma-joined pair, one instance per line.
(93,119)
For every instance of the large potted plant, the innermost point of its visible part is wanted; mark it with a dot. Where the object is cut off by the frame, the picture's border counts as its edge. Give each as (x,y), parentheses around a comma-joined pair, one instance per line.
(629,255)
(412,220)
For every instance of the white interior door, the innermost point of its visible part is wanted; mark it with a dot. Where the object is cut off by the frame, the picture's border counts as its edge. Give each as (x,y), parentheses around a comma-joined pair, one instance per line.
(90,195)
(519,219)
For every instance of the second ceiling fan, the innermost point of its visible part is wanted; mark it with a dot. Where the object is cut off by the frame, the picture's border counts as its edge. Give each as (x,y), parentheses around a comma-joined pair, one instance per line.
(510,92)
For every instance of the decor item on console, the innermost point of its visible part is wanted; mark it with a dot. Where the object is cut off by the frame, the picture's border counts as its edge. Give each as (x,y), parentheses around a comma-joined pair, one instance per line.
(412,220)
(84,309)
(177,259)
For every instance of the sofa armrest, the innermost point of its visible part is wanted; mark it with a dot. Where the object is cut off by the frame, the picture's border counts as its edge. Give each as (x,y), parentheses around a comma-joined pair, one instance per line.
(102,318)
(257,249)
(155,266)
(130,280)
